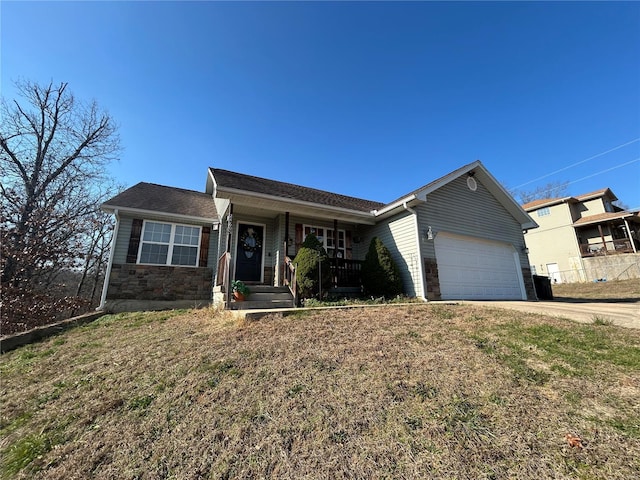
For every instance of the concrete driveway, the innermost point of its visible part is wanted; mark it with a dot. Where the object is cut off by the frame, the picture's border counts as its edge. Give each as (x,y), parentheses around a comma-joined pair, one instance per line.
(623,314)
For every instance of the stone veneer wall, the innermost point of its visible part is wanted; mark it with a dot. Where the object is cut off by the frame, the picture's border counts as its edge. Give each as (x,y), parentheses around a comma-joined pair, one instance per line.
(151,282)
(433,281)
(529,287)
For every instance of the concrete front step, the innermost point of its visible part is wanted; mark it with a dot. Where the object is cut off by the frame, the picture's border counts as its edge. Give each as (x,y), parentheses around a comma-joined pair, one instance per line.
(264,296)
(265,304)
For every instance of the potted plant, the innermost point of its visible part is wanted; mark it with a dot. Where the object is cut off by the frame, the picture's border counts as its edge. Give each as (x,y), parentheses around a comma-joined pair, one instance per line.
(240,290)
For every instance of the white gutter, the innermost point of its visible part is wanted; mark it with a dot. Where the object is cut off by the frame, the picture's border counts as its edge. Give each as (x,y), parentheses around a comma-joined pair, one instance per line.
(107,275)
(419,251)
(158,213)
(400,203)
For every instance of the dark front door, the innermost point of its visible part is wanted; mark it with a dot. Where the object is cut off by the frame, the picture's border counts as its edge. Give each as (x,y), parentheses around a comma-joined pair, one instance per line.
(249,252)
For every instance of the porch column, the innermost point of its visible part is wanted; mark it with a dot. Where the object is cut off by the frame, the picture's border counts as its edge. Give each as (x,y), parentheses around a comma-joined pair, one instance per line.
(335,252)
(286,234)
(229,229)
(633,245)
(604,244)
(281,264)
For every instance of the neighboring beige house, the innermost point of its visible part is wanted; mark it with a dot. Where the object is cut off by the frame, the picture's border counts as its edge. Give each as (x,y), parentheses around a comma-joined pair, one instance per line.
(575,229)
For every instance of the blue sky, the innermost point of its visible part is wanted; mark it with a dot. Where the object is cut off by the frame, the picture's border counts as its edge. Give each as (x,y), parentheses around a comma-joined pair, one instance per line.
(370,99)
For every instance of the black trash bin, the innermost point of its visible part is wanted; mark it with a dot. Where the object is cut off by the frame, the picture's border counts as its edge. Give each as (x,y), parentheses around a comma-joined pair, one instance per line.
(543,287)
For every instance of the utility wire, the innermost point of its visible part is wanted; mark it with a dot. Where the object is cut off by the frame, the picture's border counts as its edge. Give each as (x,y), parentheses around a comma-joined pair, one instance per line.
(581,162)
(605,171)
(564,185)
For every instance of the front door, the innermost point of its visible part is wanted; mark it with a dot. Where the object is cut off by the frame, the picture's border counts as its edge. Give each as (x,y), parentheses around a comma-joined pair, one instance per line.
(554,272)
(249,252)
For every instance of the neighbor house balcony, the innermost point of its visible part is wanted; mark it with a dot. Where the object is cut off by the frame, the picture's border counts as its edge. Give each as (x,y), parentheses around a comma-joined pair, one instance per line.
(611,247)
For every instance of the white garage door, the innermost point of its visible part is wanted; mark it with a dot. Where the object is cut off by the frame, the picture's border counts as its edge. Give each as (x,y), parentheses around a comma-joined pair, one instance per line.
(474,269)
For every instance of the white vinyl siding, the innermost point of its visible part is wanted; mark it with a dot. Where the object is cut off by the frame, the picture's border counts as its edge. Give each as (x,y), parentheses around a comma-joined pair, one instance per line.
(398,234)
(122,242)
(456,209)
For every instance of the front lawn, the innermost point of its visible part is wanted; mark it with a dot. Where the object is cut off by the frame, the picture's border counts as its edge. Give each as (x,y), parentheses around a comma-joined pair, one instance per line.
(418,391)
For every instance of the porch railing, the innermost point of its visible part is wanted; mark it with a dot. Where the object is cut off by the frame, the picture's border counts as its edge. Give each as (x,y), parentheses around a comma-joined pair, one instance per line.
(611,247)
(346,273)
(222,277)
(289,278)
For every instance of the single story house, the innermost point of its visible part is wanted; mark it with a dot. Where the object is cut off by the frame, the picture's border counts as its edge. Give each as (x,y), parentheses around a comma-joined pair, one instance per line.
(458,237)
(578,231)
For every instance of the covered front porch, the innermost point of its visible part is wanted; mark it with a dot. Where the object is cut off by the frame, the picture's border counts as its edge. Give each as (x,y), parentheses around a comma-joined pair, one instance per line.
(614,234)
(260,249)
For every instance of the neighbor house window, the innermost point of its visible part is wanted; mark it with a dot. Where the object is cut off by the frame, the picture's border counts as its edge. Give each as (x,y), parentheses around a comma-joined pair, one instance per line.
(326,237)
(169,244)
(543,212)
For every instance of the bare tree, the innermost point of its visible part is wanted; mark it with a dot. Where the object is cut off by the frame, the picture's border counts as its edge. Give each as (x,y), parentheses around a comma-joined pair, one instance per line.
(550,190)
(54,151)
(97,243)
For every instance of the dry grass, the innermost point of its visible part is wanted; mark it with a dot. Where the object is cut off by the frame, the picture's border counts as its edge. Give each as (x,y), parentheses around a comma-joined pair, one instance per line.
(603,291)
(422,391)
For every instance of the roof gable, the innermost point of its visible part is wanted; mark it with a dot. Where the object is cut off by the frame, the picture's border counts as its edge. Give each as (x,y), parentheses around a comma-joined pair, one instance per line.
(151,197)
(474,169)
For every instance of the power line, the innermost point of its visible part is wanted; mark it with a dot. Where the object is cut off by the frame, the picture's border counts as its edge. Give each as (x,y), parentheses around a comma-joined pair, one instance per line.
(607,170)
(566,184)
(581,162)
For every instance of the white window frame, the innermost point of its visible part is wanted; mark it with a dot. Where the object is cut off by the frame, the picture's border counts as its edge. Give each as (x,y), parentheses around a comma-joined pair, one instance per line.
(171,243)
(544,211)
(325,237)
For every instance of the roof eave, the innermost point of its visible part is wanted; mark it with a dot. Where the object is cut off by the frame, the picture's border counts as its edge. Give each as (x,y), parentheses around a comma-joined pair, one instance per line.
(554,201)
(626,215)
(300,203)
(143,212)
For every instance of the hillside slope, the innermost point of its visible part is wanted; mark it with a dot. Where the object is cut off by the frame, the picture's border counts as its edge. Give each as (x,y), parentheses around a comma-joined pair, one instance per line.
(423,391)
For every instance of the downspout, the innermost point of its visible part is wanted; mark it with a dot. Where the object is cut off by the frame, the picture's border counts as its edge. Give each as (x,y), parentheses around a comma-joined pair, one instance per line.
(419,250)
(107,276)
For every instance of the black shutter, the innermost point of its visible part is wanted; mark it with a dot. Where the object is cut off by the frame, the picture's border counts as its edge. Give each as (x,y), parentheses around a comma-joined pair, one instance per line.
(204,247)
(134,240)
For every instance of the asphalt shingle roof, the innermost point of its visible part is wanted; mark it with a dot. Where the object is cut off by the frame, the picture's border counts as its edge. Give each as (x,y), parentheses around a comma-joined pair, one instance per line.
(584,196)
(541,201)
(249,183)
(599,217)
(159,198)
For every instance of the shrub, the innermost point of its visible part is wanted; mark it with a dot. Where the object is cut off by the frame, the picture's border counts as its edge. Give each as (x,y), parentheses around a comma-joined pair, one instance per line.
(306,263)
(380,275)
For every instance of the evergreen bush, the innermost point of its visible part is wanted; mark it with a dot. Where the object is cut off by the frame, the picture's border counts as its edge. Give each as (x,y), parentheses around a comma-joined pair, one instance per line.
(306,263)
(380,275)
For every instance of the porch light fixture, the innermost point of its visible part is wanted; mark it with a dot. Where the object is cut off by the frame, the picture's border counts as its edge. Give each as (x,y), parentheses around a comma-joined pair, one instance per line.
(525,250)
(428,235)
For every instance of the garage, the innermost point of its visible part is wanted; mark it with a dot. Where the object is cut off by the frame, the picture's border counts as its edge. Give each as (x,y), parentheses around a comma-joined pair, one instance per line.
(476,269)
